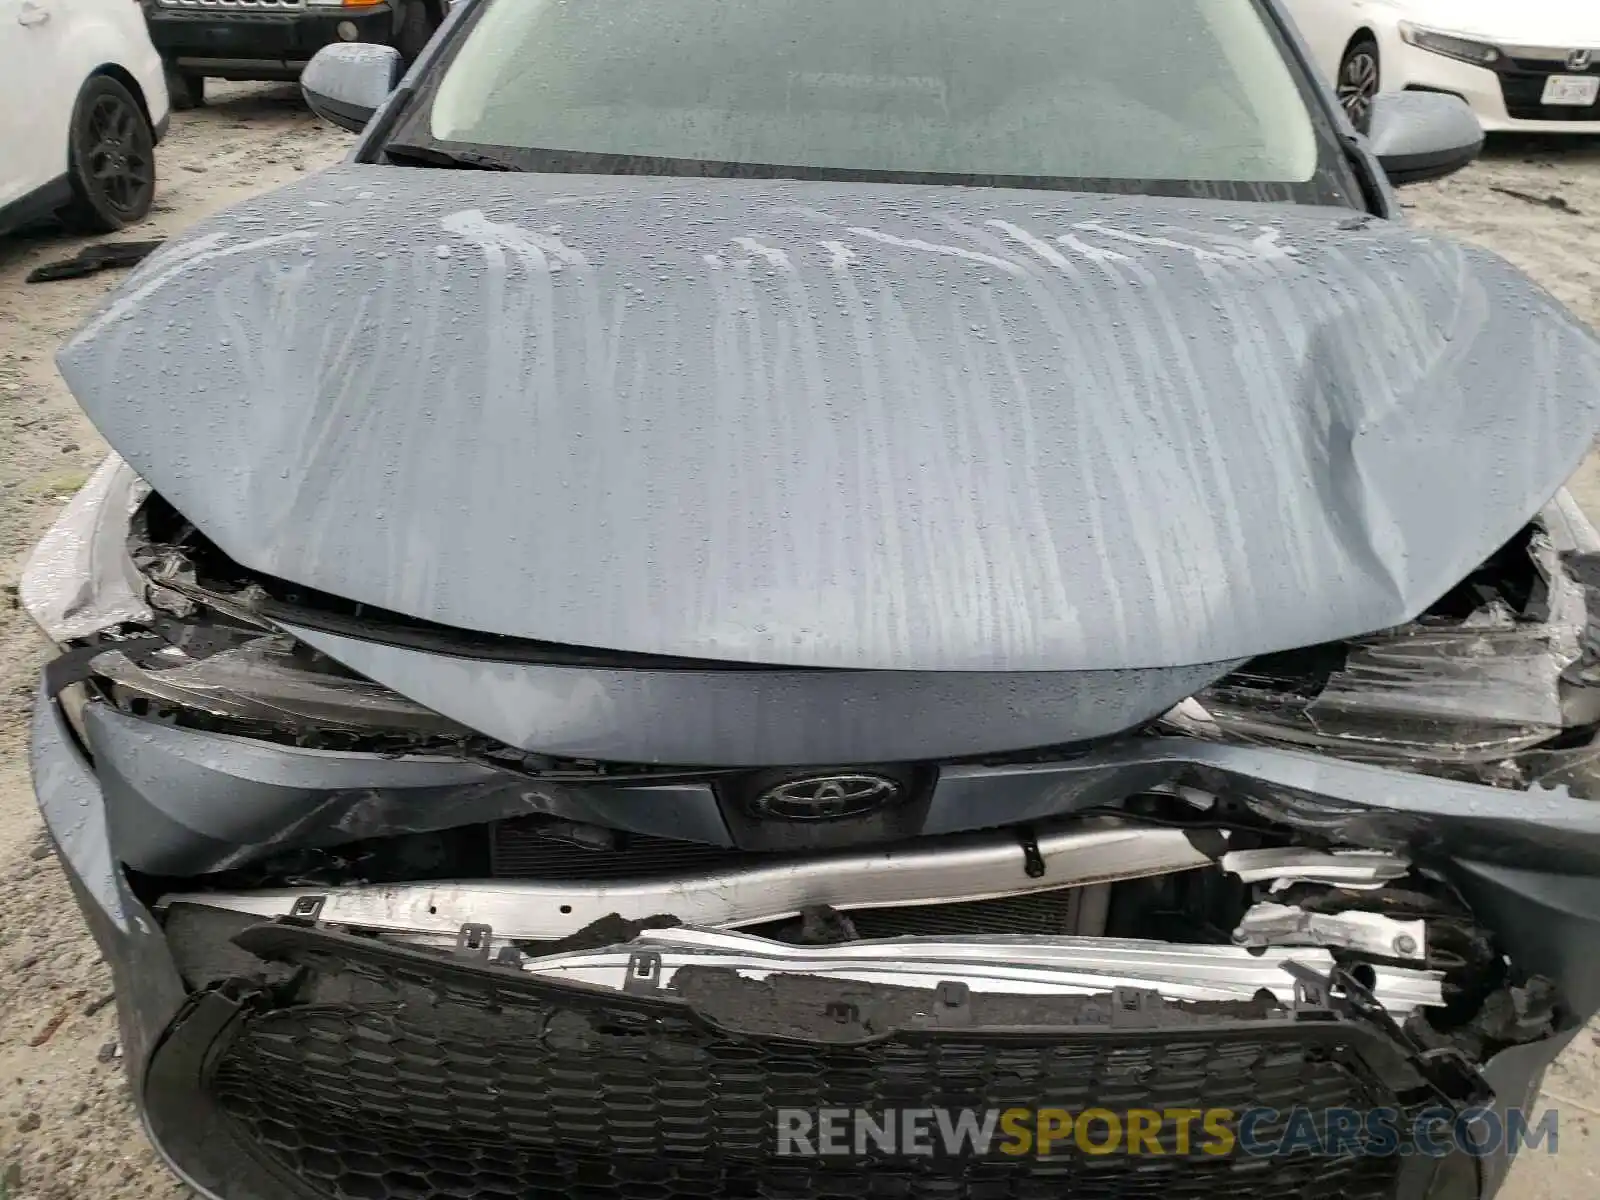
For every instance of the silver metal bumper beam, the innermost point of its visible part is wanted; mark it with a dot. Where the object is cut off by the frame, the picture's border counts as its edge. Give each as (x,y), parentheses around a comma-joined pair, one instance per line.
(936,871)
(1012,965)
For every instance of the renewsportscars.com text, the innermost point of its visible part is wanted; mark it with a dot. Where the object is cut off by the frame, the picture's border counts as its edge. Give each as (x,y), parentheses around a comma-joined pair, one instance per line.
(1256,1132)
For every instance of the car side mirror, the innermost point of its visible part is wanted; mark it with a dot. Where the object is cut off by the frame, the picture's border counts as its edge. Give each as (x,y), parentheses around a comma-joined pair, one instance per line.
(1418,136)
(347,82)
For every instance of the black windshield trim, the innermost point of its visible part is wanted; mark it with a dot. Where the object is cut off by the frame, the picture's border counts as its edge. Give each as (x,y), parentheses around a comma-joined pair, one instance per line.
(542,160)
(440,155)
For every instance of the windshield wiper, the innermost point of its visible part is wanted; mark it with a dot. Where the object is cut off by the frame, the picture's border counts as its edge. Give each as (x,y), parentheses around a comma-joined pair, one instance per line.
(432,156)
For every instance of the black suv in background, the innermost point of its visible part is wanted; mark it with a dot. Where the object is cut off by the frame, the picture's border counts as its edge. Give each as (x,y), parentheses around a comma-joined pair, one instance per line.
(273,39)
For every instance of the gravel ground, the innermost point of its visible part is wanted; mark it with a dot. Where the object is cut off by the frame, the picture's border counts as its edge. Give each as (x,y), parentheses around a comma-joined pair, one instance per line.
(67,1130)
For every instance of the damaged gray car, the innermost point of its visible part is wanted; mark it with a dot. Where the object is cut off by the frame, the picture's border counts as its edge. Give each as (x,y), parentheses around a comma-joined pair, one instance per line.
(742,560)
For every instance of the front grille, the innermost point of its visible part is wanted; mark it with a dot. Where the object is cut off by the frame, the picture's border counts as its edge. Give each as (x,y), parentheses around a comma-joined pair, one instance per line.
(1522,81)
(485,1084)
(393,1102)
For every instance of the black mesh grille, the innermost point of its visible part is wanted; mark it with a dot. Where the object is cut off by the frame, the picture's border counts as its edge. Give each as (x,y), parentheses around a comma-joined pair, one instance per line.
(442,1091)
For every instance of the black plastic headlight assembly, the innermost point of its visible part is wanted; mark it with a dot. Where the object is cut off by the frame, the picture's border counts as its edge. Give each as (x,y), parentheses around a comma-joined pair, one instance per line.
(1497,683)
(220,667)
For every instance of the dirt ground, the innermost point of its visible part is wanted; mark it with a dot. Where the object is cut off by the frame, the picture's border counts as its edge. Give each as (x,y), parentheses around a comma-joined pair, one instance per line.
(66,1126)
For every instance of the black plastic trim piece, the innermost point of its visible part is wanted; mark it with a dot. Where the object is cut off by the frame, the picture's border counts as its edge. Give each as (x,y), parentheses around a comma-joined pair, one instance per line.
(36,205)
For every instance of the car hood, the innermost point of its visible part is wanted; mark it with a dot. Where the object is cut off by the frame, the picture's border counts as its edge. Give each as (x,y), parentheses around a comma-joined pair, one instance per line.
(841,425)
(1546,23)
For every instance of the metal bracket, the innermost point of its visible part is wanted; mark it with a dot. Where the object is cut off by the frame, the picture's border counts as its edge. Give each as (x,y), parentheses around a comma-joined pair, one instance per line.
(306,909)
(1135,1008)
(841,1012)
(1311,1000)
(1032,860)
(644,972)
(952,1004)
(473,941)
(1272,924)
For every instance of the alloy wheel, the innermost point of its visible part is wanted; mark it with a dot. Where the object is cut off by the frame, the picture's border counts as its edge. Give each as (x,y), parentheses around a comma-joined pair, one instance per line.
(118,163)
(1358,84)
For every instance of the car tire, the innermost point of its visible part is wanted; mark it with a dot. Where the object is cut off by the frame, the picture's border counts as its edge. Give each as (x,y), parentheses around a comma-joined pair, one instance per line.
(111,159)
(1358,80)
(185,89)
(417,26)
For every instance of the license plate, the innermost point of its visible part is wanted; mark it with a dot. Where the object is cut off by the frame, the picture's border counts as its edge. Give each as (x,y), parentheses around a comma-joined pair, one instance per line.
(1579,91)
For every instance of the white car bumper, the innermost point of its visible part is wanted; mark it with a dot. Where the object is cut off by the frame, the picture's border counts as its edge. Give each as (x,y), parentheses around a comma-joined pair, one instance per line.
(1405,66)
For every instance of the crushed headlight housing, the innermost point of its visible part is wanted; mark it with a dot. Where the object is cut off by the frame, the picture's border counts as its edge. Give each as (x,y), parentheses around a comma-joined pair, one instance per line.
(267,685)
(1498,683)
(227,669)
(1464,49)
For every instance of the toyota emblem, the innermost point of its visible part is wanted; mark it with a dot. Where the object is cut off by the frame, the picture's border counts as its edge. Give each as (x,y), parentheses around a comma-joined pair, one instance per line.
(827,797)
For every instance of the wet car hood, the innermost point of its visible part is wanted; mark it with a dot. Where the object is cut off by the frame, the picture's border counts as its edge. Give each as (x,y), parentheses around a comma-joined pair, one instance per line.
(837,424)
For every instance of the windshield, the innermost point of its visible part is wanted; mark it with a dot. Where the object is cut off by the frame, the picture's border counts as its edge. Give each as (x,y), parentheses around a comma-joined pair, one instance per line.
(1188,91)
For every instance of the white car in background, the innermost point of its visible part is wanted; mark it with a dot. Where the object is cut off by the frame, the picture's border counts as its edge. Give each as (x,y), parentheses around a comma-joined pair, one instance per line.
(1527,65)
(82,105)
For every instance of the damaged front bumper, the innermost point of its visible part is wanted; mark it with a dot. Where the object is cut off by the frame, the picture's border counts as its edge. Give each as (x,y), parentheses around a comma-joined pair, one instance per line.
(380,1070)
(275,1070)
(370,940)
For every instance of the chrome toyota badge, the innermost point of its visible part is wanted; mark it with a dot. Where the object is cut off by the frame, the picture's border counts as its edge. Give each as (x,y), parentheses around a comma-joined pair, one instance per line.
(827,797)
